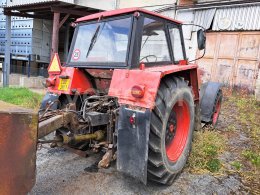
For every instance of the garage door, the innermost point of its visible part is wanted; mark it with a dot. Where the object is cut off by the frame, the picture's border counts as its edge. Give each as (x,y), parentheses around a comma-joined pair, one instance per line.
(232,58)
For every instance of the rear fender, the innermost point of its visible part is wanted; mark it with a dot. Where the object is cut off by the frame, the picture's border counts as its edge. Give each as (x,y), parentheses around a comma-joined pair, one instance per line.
(208,94)
(132,142)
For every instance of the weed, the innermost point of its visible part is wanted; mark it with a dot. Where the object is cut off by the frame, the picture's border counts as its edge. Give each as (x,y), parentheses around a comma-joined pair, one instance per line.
(252,156)
(207,146)
(213,165)
(237,165)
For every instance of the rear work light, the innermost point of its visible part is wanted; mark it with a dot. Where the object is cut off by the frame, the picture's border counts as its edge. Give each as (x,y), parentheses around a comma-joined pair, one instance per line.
(137,91)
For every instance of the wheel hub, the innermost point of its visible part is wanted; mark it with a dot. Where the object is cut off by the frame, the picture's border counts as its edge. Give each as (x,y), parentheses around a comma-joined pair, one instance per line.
(171,128)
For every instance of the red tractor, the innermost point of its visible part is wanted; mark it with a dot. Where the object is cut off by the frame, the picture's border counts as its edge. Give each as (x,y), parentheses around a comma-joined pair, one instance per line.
(128,90)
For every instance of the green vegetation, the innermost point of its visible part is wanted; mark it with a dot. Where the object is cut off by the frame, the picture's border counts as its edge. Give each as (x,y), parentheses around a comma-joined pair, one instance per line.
(207,147)
(252,156)
(237,136)
(21,96)
(237,165)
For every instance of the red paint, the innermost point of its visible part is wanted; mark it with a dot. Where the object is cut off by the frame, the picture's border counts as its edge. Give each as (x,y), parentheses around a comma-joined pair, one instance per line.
(78,81)
(123,80)
(51,81)
(120,12)
(142,66)
(175,148)
(216,113)
(168,69)
(183,62)
(194,84)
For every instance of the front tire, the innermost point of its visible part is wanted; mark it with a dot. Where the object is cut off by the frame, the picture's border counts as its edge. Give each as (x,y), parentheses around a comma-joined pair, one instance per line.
(172,125)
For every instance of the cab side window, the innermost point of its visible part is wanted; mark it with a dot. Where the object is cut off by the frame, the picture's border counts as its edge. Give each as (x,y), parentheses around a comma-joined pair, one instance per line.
(154,46)
(175,37)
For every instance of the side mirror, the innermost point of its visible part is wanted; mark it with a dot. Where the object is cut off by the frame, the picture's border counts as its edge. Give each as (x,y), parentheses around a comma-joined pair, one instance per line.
(201,37)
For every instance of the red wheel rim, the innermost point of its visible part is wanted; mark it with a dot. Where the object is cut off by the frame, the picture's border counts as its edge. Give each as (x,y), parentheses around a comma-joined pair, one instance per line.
(179,130)
(216,112)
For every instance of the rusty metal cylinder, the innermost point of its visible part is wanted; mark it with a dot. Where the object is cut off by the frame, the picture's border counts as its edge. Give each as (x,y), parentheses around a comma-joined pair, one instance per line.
(98,135)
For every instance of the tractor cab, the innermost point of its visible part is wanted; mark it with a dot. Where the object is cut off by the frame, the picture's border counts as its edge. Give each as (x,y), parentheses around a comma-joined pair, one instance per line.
(125,39)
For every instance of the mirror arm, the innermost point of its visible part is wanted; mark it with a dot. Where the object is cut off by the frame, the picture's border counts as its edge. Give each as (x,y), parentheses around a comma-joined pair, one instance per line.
(194,25)
(200,56)
(204,52)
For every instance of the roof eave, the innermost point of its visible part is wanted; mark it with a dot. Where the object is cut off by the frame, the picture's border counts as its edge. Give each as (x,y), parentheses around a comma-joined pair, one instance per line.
(123,11)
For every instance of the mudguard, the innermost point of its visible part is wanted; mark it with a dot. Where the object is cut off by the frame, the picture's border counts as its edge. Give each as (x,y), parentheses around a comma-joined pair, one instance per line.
(208,94)
(48,99)
(132,142)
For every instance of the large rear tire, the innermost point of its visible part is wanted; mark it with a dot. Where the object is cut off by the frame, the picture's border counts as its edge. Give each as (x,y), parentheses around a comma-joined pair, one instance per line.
(172,125)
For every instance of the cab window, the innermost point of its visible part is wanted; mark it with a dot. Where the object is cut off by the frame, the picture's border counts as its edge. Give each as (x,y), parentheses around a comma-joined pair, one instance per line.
(175,37)
(154,46)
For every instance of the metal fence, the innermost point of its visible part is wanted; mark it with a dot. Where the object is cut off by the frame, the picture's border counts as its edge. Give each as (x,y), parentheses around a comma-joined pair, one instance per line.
(29,71)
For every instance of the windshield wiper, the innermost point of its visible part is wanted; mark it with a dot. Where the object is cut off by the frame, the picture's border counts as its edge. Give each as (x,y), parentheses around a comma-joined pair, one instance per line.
(93,39)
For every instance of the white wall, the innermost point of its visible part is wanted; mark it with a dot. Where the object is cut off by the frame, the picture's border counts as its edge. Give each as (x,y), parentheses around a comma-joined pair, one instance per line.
(143,3)
(98,4)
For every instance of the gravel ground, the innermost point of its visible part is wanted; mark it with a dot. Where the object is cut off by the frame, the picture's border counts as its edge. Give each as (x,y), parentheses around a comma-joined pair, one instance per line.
(62,172)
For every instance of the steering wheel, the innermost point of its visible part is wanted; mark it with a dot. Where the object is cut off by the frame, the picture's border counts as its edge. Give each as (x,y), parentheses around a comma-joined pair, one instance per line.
(146,57)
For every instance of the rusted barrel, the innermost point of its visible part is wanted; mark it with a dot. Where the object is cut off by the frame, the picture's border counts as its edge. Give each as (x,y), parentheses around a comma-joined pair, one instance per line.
(18,142)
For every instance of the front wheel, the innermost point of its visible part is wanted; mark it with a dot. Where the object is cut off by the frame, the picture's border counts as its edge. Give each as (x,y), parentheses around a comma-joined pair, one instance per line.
(172,125)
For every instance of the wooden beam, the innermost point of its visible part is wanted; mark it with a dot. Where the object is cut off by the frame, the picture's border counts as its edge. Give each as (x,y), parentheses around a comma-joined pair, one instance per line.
(69,11)
(55,33)
(64,20)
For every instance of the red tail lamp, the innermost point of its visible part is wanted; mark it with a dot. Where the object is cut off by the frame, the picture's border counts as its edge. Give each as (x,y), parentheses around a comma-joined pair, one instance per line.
(137,91)
(50,82)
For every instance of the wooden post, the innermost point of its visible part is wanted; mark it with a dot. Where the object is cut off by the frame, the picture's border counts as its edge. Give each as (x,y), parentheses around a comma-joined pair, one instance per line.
(66,42)
(55,33)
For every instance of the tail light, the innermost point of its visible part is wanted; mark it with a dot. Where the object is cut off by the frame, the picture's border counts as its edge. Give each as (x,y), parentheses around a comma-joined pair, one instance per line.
(137,91)
(50,82)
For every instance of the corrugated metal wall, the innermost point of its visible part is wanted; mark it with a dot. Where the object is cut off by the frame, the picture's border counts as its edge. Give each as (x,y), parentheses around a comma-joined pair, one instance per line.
(28,37)
(204,18)
(237,18)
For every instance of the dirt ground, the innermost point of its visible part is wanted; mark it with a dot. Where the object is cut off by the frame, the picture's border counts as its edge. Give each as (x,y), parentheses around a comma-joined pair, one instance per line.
(62,172)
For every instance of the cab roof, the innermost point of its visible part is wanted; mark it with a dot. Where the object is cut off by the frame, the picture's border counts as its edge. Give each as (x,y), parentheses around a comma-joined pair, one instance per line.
(123,11)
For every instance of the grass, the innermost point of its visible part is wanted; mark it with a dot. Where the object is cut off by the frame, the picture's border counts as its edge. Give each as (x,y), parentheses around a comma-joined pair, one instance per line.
(253,157)
(237,165)
(206,149)
(21,97)
(233,147)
